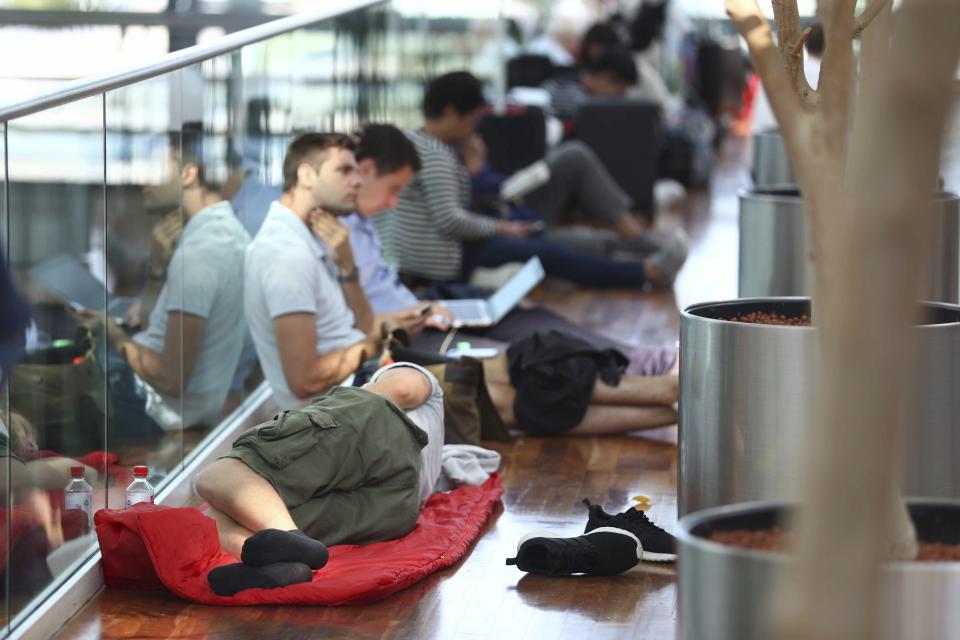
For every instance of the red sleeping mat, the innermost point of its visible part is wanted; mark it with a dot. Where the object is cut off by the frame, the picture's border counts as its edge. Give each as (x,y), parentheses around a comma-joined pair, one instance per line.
(182,546)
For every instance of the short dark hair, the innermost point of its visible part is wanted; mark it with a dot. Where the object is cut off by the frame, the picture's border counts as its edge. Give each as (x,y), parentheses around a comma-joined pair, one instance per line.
(602,34)
(617,63)
(815,43)
(388,147)
(460,90)
(191,145)
(303,147)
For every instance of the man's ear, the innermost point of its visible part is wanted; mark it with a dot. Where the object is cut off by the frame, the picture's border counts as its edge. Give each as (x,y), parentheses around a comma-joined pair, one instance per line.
(305,175)
(190,175)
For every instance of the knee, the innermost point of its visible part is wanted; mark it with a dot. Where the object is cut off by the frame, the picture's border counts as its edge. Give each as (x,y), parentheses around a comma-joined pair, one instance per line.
(210,482)
(576,152)
(205,483)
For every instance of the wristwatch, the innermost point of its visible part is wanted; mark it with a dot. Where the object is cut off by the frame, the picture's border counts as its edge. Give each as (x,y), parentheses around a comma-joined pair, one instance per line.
(352,276)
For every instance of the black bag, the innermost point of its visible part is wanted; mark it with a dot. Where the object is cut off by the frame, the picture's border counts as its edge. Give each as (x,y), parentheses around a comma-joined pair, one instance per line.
(554,375)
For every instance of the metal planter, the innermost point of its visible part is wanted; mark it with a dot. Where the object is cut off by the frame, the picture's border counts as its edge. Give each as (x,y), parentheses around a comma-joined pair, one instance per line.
(747,400)
(725,592)
(773,248)
(771,164)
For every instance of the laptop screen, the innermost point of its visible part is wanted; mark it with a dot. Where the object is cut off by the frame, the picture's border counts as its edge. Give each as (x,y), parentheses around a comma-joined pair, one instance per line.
(507,297)
(67,277)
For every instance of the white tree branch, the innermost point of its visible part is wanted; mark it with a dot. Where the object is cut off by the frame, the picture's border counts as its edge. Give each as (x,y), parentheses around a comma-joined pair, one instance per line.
(836,75)
(870,14)
(753,26)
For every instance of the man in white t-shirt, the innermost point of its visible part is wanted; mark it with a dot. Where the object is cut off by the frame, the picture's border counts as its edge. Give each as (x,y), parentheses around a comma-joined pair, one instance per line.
(309,318)
(192,308)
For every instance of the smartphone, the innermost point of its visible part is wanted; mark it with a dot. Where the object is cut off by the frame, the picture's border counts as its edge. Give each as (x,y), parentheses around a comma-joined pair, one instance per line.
(426,310)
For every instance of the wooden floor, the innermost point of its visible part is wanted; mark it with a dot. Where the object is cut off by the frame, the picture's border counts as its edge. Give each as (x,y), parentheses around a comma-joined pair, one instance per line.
(544,481)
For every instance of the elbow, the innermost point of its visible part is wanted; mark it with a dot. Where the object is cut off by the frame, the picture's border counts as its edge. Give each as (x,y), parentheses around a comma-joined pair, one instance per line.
(304,388)
(170,388)
(299,390)
(171,383)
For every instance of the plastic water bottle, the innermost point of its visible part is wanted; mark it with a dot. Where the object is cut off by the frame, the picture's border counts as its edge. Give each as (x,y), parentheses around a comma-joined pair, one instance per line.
(78,495)
(139,490)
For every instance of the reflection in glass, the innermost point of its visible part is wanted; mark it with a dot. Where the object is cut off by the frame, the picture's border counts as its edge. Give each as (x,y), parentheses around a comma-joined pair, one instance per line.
(211,252)
(57,396)
(142,225)
(264,125)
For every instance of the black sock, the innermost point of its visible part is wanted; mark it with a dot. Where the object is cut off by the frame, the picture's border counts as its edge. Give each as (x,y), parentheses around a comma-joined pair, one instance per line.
(273,545)
(229,579)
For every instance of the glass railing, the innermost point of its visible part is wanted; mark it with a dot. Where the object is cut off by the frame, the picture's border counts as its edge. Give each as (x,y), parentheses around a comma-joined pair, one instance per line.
(98,198)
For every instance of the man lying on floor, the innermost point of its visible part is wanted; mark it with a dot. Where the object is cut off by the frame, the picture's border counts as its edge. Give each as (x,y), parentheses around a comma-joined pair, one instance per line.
(354,466)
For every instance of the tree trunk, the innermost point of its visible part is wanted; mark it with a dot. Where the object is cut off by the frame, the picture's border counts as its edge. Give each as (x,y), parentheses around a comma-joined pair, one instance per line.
(869,229)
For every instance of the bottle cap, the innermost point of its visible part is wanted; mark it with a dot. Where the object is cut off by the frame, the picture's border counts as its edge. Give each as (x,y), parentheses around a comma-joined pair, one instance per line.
(76,472)
(141,471)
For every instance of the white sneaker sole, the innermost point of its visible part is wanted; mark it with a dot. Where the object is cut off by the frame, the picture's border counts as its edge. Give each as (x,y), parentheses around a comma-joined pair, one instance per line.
(658,557)
(641,555)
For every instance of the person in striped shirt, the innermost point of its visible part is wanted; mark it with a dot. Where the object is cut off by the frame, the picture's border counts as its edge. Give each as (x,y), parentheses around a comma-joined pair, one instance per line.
(435,235)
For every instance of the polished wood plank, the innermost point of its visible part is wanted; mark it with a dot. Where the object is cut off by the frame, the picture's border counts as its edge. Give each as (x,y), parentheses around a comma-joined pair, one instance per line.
(544,482)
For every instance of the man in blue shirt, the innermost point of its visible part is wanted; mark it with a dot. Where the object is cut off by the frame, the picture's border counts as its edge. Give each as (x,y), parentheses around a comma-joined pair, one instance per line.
(387,161)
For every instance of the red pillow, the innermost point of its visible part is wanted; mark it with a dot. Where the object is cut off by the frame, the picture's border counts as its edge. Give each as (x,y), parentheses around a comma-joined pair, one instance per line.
(124,557)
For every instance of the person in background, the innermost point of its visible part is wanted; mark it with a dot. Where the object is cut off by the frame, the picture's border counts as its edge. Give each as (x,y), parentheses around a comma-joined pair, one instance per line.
(611,74)
(436,236)
(566,89)
(814,54)
(386,160)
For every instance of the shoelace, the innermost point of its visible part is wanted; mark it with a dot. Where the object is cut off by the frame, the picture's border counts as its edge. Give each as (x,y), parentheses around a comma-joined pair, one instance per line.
(640,519)
(636,517)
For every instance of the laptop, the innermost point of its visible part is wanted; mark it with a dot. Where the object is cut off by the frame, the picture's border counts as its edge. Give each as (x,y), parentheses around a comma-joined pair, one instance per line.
(486,313)
(70,280)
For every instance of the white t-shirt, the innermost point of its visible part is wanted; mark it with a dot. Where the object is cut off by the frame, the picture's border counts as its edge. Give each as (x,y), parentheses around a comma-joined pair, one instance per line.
(288,270)
(429,417)
(205,279)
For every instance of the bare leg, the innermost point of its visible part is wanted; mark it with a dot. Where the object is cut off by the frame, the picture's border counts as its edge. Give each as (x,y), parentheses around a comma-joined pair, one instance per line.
(232,535)
(242,502)
(600,420)
(632,390)
(637,391)
(502,396)
(496,370)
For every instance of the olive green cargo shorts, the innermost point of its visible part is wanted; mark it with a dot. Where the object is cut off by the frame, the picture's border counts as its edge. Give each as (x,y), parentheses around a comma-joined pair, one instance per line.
(347,466)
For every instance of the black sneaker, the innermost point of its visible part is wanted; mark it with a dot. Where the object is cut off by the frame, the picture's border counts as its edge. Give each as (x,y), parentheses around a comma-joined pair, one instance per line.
(604,551)
(658,545)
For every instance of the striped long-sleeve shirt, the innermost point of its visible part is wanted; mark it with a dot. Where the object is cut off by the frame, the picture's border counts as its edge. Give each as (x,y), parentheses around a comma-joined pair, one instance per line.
(432,218)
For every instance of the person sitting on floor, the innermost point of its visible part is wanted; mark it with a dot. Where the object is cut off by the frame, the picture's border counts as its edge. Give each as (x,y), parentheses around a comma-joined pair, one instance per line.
(310,321)
(386,159)
(606,69)
(353,467)
(436,236)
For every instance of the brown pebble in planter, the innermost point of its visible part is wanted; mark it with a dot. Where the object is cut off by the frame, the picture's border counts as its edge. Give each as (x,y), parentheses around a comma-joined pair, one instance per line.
(760,317)
(938,552)
(771,540)
(777,540)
